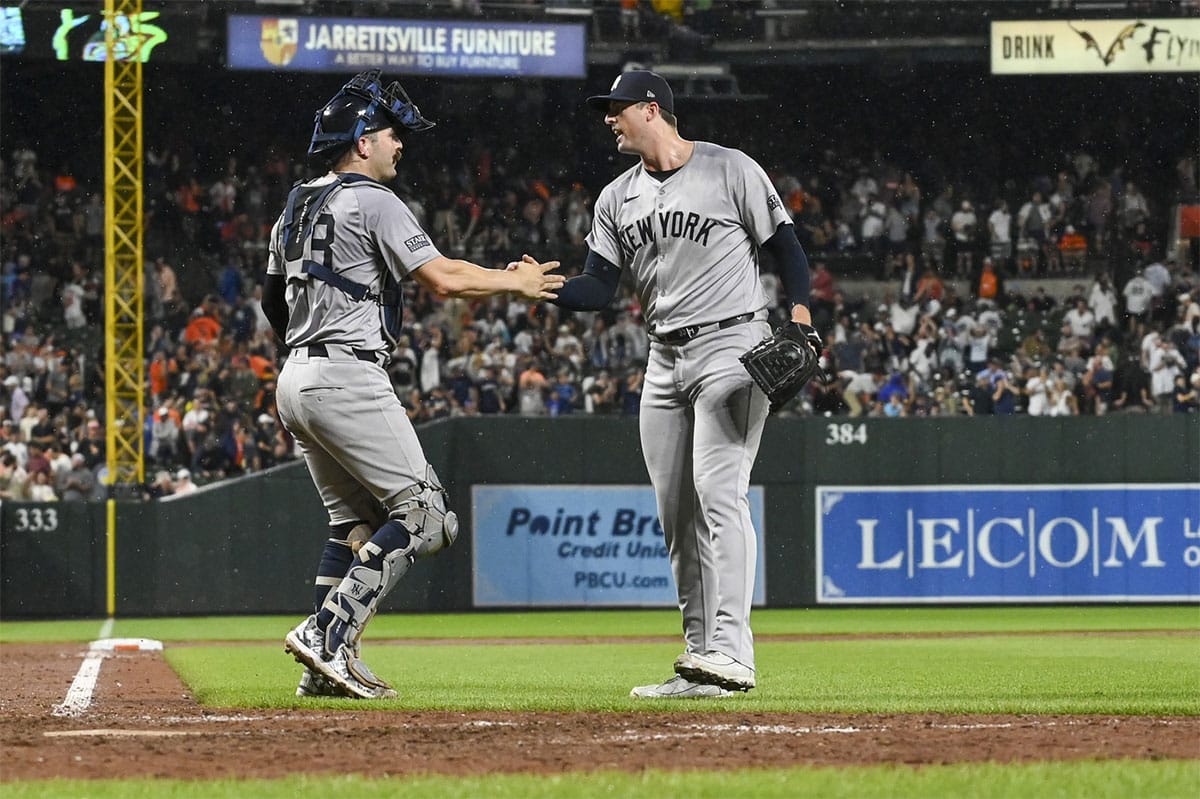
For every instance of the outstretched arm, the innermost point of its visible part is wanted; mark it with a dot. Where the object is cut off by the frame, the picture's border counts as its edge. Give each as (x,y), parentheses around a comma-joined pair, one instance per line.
(452,277)
(592,290)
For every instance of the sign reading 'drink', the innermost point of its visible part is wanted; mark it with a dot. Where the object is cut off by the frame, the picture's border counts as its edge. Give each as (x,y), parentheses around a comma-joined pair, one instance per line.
(1032,543)
(578,545)
(414,47)
(1095,46)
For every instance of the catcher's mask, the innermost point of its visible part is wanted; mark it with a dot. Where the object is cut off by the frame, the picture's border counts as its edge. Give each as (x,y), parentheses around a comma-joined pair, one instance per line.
(361,106)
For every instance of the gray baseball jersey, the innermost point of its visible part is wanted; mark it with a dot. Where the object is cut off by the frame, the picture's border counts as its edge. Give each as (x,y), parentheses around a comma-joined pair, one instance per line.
(373,226)
(356,438)
(691,243)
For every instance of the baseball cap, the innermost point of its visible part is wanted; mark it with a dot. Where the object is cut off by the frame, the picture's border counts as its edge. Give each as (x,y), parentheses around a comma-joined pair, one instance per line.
(637,86)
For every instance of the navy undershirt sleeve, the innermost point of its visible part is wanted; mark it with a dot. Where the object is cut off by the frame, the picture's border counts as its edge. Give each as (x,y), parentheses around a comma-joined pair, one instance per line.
(793,263)
(592,290)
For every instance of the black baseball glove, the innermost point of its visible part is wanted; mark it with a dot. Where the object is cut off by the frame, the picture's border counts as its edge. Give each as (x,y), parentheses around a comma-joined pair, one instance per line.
(783,363)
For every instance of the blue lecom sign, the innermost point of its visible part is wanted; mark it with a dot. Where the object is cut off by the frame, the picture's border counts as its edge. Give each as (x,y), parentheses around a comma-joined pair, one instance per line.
(1029,543)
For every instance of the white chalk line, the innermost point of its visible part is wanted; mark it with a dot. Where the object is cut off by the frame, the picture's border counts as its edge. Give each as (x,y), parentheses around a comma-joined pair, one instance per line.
(693,731)
(106,628)
(111,733)
(79,695)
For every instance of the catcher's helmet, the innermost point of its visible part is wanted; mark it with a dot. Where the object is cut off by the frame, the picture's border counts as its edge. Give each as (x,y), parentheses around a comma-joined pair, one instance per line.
(361,106)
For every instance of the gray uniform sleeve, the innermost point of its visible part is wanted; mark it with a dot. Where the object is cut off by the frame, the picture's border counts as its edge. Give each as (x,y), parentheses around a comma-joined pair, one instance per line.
(401,241)
(275,253)
(758,202)
(603,237)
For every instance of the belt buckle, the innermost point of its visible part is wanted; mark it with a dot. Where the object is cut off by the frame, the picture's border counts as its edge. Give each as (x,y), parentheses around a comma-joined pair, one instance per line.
(690,332)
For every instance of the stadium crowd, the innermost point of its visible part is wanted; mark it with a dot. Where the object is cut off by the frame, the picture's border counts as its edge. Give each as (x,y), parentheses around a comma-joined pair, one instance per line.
(949,337)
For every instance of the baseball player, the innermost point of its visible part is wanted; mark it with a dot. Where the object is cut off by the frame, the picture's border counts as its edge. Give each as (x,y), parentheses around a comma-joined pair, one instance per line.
(338,252)
(688,222)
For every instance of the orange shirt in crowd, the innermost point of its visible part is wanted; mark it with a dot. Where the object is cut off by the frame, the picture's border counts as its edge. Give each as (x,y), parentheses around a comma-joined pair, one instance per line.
(1072,244)
(202,329)
(158,377)
(989,286)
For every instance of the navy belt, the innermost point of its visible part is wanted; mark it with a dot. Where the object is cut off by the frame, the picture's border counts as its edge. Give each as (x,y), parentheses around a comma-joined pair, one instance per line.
(319,350)
(686,334)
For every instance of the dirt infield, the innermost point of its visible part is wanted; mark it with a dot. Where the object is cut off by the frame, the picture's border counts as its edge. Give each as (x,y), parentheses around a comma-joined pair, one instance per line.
(143,722)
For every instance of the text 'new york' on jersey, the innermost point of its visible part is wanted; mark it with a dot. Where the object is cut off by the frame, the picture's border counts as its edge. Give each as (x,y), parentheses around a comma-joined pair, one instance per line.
(691,242)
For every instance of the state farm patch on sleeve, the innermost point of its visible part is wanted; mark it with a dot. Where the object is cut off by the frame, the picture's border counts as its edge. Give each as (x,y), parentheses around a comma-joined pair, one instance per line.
(417,242)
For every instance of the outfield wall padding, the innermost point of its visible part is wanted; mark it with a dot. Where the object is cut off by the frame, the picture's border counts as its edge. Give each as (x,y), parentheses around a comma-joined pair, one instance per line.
(251,545)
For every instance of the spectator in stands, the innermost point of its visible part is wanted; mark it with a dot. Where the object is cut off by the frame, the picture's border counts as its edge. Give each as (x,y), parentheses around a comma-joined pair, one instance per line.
(1187,396)
(1072,249)
(872,220)
(1062,400)
(1034,348)
(1033,221)
(183,483)
(1159,276)
(18,400)
(989,285)
(861,390)
(978,348)
(76,484)
(1081,321)
(600,395)
(1099,210)
(1000,234)
(164,437)
(1131,386)
(978,401)
(1165,364)
(93,446)
(1134,208)
(563,397)
(203,328)
(532,387)
(962,225)
(14,480)
(1097,385)
(1102,301)
(41,489)
(1004,397)
(1139,298)
(1036,390)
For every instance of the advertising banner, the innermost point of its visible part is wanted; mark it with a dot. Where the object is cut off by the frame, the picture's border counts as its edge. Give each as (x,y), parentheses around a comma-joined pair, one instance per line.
(421,47)
(1031,543)
(1095,46)
(76,32)
(573,545)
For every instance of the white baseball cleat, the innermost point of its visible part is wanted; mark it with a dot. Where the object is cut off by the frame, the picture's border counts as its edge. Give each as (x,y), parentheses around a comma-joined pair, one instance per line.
(715,668)
(679,688)
(312,684)
(345,671)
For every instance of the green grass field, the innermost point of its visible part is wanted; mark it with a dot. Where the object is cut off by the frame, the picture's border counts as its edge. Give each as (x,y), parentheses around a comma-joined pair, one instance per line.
(1091,660)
